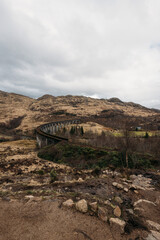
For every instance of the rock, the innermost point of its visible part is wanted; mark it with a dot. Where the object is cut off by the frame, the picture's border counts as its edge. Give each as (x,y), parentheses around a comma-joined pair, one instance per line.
(132,177)
(6,199)
(155,234)
(102,214)
(117,211)
(133,187)
(80,180)
(119,186)
(107,202)
(130,211)
(135,191)
(153,225)
(158,201)
(142,202)
(28,197)
(114,184)
(150,237)
(118,200)
(139,211)
(82,206)
(69,203)
(94,206)
(117,225)
(125,189)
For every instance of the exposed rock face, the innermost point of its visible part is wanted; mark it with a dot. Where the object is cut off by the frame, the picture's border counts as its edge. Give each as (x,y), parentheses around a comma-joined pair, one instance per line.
(82,206)
(102,214)
(69,203)
(117,225)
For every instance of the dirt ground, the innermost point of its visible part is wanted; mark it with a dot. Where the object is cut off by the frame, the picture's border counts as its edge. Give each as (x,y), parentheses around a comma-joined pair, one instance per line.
(46,221)
(31,205)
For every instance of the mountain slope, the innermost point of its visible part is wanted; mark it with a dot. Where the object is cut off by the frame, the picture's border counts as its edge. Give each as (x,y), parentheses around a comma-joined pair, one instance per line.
(49,108)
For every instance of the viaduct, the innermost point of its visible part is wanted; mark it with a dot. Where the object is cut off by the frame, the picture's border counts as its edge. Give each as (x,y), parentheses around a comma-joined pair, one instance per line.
(46,133)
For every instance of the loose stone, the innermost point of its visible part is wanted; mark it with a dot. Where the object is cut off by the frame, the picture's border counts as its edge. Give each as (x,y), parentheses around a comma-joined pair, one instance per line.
(117,225)
(69,203)
(117,211)
(102,214)
(82,206)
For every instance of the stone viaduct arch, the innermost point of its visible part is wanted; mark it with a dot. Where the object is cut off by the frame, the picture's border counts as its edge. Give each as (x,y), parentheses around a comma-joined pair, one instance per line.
(45,134)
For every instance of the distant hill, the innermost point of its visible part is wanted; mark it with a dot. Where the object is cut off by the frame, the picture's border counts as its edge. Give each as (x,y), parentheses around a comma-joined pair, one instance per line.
(49,108)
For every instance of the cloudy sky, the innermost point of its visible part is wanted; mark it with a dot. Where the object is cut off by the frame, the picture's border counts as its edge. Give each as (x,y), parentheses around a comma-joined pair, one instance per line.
(98,48)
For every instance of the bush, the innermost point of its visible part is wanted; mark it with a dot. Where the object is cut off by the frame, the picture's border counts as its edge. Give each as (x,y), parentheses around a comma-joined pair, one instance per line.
(41,172)
(53,176)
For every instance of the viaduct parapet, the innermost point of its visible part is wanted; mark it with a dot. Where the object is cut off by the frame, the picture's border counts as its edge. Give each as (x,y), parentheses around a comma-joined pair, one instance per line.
(46,133)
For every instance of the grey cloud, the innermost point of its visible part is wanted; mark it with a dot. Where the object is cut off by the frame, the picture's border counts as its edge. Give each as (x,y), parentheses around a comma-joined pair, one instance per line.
(97,48)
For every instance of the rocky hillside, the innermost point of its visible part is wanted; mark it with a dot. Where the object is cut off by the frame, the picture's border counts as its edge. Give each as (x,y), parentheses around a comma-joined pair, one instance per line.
(34,112)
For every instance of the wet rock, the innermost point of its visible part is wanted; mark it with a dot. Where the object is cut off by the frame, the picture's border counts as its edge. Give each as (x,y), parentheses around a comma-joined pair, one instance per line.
(94,206)
(153,225)
(102,214)
(118,200)
(117,225)
(82,206)
(117,211)
(69,203)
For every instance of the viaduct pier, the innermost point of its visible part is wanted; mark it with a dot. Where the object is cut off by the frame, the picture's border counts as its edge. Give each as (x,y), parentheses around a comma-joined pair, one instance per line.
(46,133)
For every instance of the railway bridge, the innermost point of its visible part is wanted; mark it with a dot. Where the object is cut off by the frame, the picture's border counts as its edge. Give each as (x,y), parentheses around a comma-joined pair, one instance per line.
(46,133)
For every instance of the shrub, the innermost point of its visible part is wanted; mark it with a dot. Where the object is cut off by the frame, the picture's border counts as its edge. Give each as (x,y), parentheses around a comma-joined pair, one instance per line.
(41,172)
(53,176)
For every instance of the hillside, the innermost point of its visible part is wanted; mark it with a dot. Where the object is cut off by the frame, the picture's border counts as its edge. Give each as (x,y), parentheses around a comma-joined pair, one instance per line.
(49,108)
(85,191)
